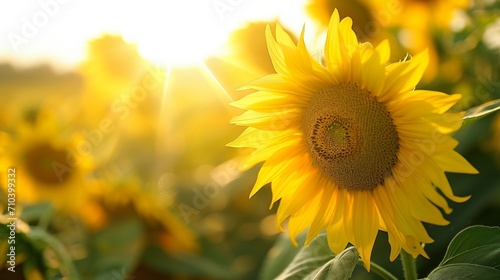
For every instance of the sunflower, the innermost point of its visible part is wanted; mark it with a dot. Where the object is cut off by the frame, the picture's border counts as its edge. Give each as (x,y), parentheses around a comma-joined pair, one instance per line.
(51,164)
(111,73)
(128,199)
(349,146)
(112,65)
(419,24)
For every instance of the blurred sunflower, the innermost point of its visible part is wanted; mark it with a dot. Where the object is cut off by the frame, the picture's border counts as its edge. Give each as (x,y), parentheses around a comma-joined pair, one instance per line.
(419,23)
(320,12)
(350,146)
(112,63)
(128,199)
(50,162)
(435,13)
(112,69)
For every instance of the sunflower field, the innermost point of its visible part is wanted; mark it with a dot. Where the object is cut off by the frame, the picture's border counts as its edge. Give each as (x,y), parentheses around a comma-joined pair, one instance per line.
(233,139)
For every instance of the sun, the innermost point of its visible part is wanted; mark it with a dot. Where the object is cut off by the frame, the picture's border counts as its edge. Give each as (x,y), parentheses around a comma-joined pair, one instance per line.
(178,32)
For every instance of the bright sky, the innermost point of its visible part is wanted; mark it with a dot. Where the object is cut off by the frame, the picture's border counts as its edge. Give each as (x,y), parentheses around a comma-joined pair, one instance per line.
(168,31)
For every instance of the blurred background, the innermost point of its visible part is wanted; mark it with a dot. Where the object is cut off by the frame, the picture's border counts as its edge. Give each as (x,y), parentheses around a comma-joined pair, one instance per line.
(115,116)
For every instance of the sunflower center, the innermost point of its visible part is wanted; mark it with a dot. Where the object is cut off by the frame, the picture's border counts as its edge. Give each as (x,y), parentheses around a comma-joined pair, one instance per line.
(39,163)
(351,136)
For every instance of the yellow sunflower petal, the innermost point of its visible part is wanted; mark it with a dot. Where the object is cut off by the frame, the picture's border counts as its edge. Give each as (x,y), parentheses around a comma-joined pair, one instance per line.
(442,102)
(384,50)
(261,154)
(266,102)
(275,52)
(423,209)
(333,54)
(360,207)
(275,165)
(301,218)
(404,76)
(290,203)
(372,74)
(327,206)
(269,121)
(337,237)
(454,162)
(440,181)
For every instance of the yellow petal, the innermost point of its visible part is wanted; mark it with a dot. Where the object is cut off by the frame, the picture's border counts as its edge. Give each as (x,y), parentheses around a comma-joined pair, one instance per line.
(281,120)
(421,208)
(404,76)
(454,162)
(275,52)
(332,48)
(362,223)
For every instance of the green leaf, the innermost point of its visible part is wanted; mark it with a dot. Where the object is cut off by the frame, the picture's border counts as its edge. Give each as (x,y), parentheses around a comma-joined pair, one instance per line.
(464,271)
(472,238)
(480,112)
(488,255)
(317,261)
(117,248)
(280,256)
(41,238)
(474,253)
(33,212)
(340,267)
(208,262)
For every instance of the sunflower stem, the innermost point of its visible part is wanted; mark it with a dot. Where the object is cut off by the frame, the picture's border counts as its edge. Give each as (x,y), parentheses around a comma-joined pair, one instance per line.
(380,271)
(409,265)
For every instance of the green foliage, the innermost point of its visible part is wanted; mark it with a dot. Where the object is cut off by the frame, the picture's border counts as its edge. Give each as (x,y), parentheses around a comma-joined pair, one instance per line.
(42,239)
(116,248)
(481,111)
(314,261)
(280,256)
(474,253)
(340,267)
(207,261)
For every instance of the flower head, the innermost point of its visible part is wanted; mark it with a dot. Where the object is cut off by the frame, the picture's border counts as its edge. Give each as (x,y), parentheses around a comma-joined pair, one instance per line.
(349,145)
(50,161)
(122,200)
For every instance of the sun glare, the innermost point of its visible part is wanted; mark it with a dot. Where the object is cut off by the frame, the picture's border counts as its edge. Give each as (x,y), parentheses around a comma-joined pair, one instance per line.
(168,32)
(177,32)
(185,32)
